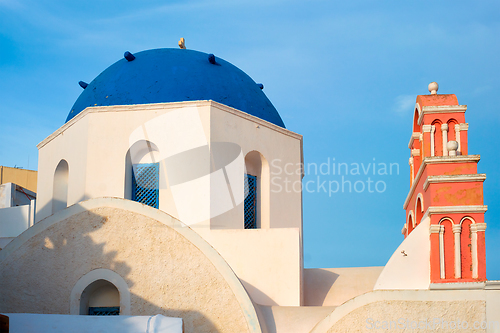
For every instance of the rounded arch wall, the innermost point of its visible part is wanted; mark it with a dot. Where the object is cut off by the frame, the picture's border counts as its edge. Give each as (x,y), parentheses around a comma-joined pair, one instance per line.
(379,311)
(166,266)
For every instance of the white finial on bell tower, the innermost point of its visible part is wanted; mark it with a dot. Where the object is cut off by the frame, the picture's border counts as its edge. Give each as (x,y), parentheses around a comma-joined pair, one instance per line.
(433,88)
(452,147)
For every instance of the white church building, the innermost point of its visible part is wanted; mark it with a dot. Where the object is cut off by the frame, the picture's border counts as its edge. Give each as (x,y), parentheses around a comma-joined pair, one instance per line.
(155,198)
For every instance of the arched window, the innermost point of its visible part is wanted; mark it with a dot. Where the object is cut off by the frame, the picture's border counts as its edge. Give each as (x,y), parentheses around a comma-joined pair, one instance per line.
(100,298)
(60,187)
(466,248)
(437,138)
(419,210)
(451,130)
(410,223)
(145,184)
(142,174)
(250,218)
(447,249)
(416,126)
(257,191)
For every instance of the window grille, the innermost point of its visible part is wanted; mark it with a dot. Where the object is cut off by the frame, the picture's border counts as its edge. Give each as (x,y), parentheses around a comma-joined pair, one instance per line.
(250,202)
(145,184)
(104,311)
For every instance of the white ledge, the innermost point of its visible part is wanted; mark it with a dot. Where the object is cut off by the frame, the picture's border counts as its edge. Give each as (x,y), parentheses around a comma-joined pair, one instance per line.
(486,285)
(414,136)
(492,285)
(454,179)
(440,109)
(458,286)
(164,106)
(452,159)
(470,209)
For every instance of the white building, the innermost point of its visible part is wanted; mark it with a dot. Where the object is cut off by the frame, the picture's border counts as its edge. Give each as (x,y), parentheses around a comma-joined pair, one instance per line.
(155,197)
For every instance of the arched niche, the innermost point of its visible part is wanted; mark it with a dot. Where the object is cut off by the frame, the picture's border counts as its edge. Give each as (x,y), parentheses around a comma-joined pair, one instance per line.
(60,187)
(100,296)
(256,165)
(100,288)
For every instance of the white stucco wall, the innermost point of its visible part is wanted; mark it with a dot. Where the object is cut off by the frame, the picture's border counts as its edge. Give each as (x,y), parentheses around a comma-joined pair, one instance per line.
(334,286)
(14,220)
(167,268)
(291,319)
(95,145)
(51,323)
(368,312)
(69,142)
(5,240)
(279,147)
(267,261)
(7,195)
(410,271)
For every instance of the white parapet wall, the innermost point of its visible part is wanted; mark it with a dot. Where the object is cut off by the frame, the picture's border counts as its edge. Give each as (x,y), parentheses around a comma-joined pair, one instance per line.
(17,211)
(12,195)
(6,195)
(53,323)
(14,221)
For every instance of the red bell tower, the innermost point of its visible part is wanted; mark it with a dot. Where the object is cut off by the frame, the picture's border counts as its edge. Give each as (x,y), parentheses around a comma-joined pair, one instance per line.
(446,188)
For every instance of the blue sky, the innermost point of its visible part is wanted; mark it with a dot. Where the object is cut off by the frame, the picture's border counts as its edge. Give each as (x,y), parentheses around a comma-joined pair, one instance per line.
(343,74)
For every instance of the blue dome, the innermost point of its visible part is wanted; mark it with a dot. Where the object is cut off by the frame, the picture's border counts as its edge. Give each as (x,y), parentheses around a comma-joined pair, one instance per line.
(176,75)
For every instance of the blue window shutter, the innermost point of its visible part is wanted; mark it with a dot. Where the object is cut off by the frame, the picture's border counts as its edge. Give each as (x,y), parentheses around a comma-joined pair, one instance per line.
(104,311)
(145,184)
(250,202)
